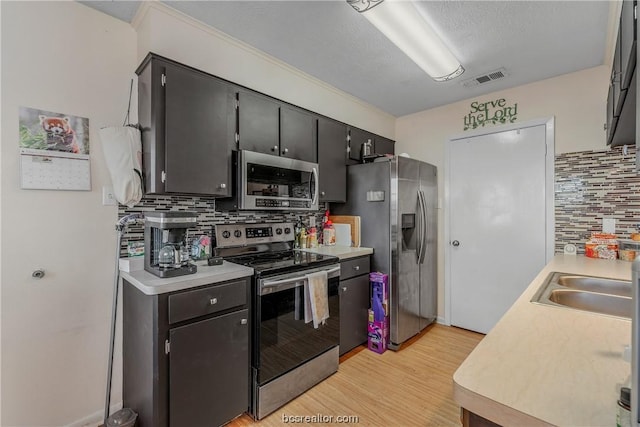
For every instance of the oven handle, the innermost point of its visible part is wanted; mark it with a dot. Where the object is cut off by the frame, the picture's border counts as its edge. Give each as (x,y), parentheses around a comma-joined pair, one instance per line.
(269,287)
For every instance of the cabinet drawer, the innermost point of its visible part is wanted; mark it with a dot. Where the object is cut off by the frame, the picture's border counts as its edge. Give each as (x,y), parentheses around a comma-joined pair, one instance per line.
(200,302)
(354,267)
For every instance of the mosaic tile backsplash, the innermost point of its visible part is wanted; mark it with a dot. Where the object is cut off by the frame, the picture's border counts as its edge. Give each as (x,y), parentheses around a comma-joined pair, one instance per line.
(207,215)
(590,185)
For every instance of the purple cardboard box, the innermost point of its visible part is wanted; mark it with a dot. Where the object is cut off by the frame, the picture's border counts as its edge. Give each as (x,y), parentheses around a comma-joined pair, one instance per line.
(377,333)
(379,295)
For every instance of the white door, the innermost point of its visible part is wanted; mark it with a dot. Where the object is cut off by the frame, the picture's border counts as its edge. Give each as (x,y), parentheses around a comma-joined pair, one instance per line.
(497,222)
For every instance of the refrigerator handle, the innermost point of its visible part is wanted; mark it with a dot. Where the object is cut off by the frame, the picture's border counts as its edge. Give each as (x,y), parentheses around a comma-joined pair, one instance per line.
(424,232)
(420,229)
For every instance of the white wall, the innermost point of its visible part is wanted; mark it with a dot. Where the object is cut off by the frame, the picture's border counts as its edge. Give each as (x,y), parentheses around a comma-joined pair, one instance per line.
(62,57)
(577,100)
(171,34)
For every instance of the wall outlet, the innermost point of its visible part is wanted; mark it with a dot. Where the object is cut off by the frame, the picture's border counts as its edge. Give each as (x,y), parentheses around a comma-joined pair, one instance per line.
(609,225)
(108,199)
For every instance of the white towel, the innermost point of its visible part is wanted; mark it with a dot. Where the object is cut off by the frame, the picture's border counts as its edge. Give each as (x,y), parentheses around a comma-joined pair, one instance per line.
(316,298)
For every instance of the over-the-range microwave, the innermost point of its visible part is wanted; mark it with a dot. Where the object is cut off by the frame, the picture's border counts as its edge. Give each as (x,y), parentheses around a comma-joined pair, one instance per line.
(267,182)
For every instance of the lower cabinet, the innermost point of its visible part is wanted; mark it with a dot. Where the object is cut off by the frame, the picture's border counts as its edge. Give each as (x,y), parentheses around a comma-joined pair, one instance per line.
(354,302)
(186,354)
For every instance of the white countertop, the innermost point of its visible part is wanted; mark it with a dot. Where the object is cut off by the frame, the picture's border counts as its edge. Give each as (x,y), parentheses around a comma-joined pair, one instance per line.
(153,285)
(342,252)
(544,365)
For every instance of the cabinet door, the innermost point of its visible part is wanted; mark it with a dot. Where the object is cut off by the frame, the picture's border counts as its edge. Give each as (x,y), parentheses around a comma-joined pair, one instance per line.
(384,146)
(354,303)
(357,138)
(611,120)
(258,123)
(297,134)
(332,149)
(627,42)
(618,93)
(209,371)
(198,133)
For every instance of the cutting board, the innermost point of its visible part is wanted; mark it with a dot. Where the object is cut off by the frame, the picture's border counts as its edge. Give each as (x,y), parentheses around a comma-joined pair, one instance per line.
(343,234)
(354,222)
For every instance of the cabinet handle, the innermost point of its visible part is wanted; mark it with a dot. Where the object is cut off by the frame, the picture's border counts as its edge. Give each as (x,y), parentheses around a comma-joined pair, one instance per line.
(213,301)
(344,289)
(285,151)
(322,193)
(243,321)
(275,148)
(223,186)
(356,267)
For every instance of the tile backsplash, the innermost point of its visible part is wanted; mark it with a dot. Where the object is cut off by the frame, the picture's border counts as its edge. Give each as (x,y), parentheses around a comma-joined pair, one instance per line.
(590,185)
(207,215)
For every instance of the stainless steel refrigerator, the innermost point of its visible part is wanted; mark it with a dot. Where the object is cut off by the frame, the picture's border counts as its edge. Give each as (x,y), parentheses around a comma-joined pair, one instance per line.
(397,199)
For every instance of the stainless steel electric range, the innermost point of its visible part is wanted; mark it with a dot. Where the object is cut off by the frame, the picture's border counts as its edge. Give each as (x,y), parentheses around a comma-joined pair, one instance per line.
(288,356)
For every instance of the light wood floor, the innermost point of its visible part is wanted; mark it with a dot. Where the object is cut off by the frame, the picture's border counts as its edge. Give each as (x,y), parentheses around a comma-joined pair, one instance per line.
(412,387)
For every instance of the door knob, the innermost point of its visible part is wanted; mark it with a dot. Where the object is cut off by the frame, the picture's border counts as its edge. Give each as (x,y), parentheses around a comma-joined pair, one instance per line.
(455,243)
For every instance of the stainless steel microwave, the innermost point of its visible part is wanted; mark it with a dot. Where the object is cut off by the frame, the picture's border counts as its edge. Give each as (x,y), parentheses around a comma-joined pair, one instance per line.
(267,182)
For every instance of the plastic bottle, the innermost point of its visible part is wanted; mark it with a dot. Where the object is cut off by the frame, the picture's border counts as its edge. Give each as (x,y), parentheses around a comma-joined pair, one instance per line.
(329,234)
(303,238)
(312,238)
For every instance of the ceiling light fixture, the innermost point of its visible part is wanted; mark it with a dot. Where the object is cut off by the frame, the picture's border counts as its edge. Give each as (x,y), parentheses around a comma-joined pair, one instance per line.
(402,23)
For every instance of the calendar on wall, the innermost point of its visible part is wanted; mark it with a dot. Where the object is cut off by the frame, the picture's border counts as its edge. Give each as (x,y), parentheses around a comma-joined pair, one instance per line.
(50,170)
(54,151)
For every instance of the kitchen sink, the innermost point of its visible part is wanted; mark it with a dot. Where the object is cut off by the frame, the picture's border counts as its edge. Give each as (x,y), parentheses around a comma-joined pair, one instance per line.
(587,293)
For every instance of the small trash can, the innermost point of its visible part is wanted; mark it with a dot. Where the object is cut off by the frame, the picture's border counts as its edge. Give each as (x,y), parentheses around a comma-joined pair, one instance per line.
(123,418)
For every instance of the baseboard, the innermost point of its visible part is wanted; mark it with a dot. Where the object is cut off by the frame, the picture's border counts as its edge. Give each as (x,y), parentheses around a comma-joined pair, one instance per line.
(95,419)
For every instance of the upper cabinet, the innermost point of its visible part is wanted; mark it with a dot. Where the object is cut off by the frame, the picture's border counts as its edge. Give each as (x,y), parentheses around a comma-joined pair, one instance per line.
(187,129)
(357,138)
(621,99)
(271,127)
(383,145)
(332,160)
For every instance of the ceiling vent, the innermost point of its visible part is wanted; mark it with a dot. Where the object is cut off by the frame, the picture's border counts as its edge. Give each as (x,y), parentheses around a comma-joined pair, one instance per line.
(485,78)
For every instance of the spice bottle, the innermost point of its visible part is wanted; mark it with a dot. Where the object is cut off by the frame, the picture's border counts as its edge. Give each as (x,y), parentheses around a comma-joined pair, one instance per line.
(312,238)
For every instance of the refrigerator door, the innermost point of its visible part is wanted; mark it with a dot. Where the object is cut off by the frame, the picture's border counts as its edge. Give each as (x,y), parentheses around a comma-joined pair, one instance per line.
(407,234)
(428,260)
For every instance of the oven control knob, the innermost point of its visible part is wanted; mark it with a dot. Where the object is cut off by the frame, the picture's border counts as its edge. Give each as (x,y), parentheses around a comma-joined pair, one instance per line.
(226,234)
(287,230)
(237,233)
(278,231)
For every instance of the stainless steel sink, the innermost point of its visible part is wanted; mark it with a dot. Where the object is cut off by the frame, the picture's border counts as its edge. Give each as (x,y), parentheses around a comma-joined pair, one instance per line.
(596,284)
(594,294)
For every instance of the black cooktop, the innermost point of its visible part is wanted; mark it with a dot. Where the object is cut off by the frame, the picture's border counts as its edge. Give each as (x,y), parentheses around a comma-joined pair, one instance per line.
(270,263)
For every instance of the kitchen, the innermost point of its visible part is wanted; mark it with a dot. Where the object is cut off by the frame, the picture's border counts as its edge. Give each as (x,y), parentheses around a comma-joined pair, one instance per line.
(56,329)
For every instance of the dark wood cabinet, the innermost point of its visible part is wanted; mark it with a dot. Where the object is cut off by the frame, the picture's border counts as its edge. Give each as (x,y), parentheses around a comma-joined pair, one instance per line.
(186,354)
(379,144)
(383,145)
(332,160)
(354,302)
(187,129)
(258,123)
(621,99)
(357,137)
(297,134)
(271,127)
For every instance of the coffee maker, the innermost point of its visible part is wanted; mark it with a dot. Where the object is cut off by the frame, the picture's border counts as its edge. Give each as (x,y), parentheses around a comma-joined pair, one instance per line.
(165,243)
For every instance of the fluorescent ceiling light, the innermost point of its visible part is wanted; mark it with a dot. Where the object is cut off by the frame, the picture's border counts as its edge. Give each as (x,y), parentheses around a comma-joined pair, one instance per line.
(401,22)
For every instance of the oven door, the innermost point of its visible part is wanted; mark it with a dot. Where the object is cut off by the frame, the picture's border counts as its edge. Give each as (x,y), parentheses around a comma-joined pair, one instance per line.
(283,341)
(276,183)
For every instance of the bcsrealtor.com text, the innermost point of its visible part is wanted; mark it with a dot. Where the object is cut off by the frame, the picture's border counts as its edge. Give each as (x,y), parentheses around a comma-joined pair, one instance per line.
(320,418)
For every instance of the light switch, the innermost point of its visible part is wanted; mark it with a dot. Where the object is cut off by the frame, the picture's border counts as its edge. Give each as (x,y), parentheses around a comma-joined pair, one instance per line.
(609,225)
